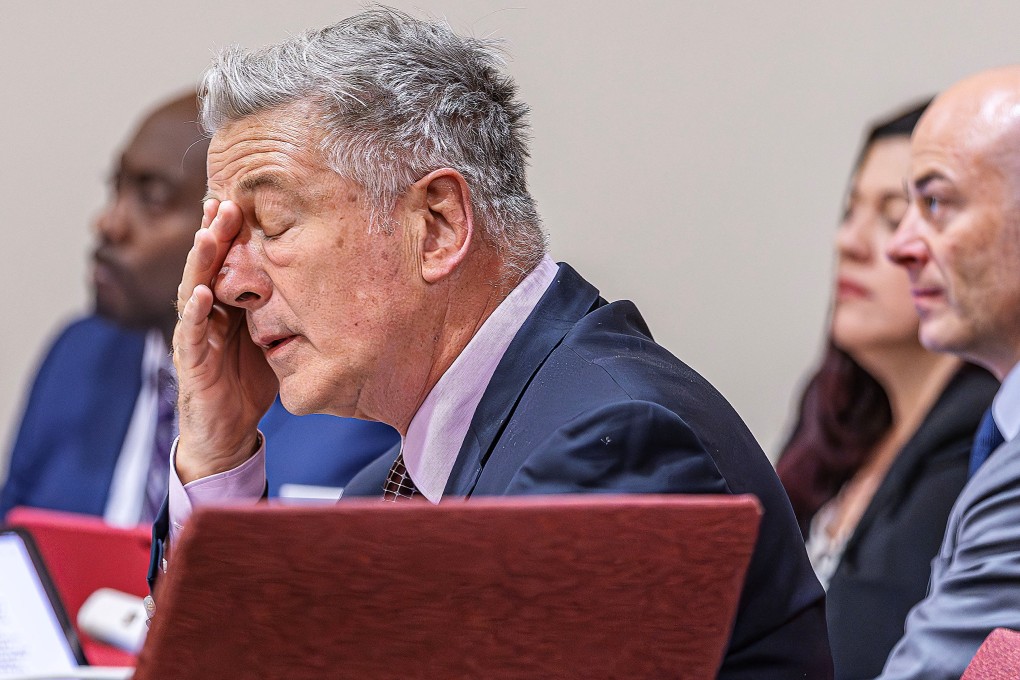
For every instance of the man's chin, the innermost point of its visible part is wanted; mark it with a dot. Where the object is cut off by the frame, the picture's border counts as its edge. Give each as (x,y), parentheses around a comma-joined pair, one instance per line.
(296,401)
(304,400)
(113,312)
(941,335)
(125,317)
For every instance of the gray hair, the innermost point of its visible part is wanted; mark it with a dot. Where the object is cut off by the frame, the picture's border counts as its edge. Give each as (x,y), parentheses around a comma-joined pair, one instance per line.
(397,98)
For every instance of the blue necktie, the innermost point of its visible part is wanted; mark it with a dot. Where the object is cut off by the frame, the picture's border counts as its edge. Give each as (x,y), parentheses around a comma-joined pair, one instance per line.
(987,439)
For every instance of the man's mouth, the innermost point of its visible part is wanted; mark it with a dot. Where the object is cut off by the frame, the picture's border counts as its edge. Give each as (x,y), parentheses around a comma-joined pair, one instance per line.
(101,258)
(106,270)
(272,343)
(925,297)
(276,343)
(925,293)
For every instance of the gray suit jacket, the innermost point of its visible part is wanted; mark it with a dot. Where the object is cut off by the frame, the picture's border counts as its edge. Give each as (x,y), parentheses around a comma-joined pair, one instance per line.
(975,579)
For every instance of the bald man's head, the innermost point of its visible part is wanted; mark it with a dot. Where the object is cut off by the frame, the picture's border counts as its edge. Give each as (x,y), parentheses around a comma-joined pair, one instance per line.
(978,115)
(960,239)
(148,224)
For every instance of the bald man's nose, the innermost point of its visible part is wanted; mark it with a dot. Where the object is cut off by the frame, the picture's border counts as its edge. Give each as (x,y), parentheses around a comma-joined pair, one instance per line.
(906,247)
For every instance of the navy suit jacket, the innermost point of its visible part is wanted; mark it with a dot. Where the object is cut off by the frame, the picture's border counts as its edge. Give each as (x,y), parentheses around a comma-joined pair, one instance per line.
(585,401)
(80,407)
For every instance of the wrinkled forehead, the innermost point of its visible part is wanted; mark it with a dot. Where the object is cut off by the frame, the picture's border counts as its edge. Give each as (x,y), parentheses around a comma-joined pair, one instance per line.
(283,134)
(279,140)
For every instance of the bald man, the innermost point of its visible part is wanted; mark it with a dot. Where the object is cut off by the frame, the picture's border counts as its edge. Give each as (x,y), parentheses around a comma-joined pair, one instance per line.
(960,244)
(97,429)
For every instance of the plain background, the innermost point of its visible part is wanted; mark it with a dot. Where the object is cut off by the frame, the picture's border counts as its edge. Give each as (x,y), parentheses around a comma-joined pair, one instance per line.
(690,156)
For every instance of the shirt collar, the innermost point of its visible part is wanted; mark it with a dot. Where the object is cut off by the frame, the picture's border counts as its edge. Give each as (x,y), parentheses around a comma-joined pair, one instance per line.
(155,356)
(1006,405)
(438,428)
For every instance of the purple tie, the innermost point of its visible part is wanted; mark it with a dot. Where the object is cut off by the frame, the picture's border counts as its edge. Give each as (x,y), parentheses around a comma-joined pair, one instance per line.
(157,479)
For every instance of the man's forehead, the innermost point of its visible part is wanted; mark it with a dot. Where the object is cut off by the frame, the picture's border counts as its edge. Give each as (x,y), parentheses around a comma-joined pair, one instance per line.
(969,121)
(263,139)
(949,142)
(286,123)
(256,165)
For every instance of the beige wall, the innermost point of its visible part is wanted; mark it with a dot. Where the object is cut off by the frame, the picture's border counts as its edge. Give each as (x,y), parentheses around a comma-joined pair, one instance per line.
(688,155)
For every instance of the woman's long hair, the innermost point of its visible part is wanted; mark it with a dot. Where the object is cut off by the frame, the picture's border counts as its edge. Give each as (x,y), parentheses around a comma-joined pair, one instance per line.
(844,412)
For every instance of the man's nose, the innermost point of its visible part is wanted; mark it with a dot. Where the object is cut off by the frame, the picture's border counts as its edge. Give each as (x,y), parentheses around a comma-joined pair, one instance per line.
(242,281)
(113,224)
(906,247)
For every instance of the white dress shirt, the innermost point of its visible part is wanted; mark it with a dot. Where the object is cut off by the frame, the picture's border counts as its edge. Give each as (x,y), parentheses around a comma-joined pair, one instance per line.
(127,488)
(1006,405)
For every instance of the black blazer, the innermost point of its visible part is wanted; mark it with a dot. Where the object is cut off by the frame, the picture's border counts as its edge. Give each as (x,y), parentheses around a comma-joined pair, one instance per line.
(585,401)
(885,567)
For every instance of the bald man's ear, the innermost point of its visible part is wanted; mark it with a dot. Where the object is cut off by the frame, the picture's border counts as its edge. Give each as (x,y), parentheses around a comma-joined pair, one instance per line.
(449,223)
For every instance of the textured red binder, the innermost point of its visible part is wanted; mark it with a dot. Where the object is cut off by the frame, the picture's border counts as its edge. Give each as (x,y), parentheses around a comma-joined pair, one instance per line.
(539,587)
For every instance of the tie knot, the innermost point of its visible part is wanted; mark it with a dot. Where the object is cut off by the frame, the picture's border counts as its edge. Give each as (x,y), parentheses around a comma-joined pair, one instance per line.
(398,482)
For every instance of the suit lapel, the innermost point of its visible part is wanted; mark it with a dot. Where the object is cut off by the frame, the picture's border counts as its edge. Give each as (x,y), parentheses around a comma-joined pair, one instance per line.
(567,300)
(118,383)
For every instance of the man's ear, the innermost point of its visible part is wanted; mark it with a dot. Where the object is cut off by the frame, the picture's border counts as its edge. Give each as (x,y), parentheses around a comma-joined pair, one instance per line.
(449,224)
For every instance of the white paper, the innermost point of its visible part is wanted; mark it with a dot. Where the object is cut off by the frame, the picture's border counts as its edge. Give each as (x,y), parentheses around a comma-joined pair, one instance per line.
(31,639)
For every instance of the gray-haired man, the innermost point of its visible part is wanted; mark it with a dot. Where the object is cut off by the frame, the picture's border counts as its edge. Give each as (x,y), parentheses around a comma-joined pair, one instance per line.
(370,249)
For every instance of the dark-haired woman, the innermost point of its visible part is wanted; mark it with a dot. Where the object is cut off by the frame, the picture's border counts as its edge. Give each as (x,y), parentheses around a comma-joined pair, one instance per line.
(880,449)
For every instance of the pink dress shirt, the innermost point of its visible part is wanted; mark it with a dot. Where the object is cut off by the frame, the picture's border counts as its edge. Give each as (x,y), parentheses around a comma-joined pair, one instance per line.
(435,433)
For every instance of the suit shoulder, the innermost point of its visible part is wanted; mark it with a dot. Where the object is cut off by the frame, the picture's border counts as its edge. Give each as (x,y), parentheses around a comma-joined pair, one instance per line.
(990,502)
(89,352)
(611,346)
(93,333)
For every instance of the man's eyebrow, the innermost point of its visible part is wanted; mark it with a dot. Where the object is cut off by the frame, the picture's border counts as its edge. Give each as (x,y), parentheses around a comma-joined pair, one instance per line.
(250,183)
(924,180)
(259,181)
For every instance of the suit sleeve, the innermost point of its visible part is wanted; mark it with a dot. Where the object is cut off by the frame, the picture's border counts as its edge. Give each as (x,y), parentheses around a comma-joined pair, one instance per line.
(975,584)
(642,447)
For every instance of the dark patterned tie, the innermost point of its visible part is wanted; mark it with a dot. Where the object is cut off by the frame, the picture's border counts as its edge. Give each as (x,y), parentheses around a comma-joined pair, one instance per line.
(159,463)
(398,483)
(987,439)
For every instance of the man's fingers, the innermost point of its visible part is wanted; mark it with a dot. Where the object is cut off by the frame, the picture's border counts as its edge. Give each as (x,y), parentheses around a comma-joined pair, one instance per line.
(200,258)
(226,223)
(190,337)
(209,209)
(221,222)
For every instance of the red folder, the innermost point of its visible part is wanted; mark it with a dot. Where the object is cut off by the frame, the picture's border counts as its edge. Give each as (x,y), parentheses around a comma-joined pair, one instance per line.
(82,554)
(592,586)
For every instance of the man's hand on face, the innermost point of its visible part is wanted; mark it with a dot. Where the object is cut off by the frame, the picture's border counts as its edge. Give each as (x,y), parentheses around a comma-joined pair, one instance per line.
(225,383)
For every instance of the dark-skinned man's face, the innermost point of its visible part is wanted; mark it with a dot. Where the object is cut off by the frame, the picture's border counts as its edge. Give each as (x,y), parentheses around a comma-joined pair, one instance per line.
(148,224)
